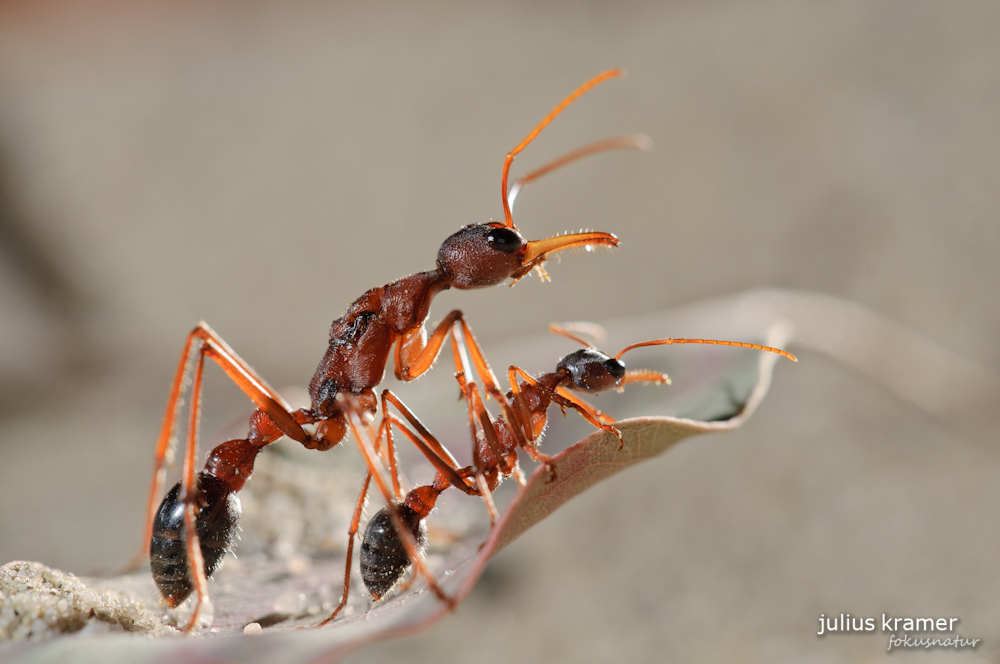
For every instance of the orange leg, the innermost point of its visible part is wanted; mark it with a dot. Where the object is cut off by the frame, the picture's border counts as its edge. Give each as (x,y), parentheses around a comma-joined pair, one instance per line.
(520,430)
(463,344)
(468,340)
(415,353)
(424,440)
(593,410)
(376,470)
(196,563)
(564,398)
(351,533)
(484,491)
(414,356)
(520,419)
(383,429)
(492,387)
(523,412)
(202,342)
(486,423)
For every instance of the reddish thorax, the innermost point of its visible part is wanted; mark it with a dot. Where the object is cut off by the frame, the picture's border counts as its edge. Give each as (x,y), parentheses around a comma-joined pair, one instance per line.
(361,339)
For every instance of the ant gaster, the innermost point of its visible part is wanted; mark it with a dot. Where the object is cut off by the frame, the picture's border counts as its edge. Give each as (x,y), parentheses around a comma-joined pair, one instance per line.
(197,520)
(386,554)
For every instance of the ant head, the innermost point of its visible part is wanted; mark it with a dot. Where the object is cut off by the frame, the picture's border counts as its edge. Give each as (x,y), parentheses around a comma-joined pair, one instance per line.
(592,370)
(483,255)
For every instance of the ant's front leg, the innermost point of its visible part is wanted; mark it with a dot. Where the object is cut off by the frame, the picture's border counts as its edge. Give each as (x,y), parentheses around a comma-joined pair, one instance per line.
(416,353)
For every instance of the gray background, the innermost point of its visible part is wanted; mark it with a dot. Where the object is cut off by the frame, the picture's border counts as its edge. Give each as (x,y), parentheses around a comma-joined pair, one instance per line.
(260,165)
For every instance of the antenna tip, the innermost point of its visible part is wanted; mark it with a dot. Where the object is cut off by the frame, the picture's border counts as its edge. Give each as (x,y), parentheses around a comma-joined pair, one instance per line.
(617,72)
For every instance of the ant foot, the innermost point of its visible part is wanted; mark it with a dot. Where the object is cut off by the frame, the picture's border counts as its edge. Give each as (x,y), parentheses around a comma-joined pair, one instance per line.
(448,600)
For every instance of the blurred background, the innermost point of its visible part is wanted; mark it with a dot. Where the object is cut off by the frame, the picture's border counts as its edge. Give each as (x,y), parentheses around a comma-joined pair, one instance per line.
(259,165)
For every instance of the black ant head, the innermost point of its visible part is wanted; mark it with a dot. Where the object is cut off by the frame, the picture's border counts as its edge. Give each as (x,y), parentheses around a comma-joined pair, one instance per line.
(483,255)
(591,370)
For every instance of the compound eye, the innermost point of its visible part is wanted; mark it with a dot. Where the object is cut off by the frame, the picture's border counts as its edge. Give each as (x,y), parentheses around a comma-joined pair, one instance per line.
(505,240)
(616,368)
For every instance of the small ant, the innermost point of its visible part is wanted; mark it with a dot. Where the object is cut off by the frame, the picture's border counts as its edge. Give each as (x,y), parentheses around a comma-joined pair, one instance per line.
(385,554)
(198,519)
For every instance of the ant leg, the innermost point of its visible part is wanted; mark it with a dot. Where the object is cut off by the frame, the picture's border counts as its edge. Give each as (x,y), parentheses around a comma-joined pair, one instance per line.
(384,428)
(484,488)
(519,476)
(524,413)
(481,416)
(475,405)
(463,338)
(492,387)
(541,125)
(376,470)
(433,447)
(351,533)
(490,383)
(436,453)
(415,353)
(489,431)
(564,398)
(590,408)
(203,341)
(484,491)
(196,563)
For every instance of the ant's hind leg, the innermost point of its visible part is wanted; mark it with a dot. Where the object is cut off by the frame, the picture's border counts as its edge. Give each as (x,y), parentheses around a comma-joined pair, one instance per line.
(423,440)
(201,342)
(351,533)
(405,536)
(196,563)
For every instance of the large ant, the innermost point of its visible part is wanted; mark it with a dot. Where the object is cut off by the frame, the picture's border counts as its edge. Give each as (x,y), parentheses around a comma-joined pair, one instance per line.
(386,554)
(198,519)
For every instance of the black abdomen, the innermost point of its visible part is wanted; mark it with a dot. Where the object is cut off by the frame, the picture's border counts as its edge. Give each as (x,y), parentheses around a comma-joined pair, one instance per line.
(217,522)
(383,555)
